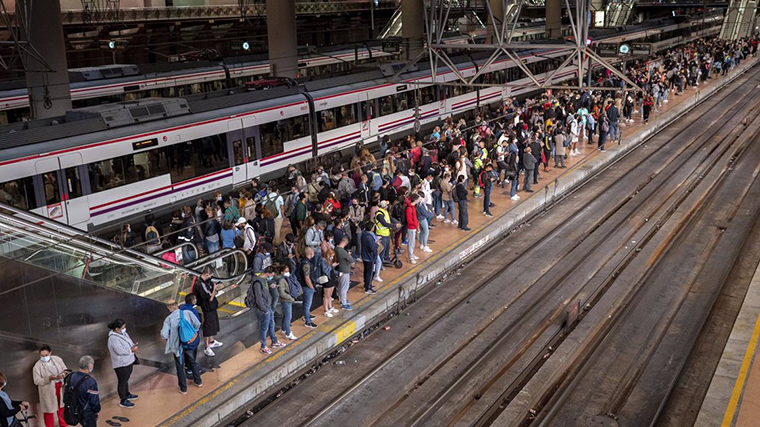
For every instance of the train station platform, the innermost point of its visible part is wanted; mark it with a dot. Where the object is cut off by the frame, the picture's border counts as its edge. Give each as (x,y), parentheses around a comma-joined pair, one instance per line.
(239,373)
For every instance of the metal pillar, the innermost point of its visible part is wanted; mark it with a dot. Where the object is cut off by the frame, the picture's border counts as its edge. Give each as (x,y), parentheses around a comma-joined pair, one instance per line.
(497,8)
(281,32)
(413,26)
(49,92)
(554,19)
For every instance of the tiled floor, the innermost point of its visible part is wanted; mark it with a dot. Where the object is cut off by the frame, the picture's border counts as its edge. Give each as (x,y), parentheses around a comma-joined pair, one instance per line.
(159,396)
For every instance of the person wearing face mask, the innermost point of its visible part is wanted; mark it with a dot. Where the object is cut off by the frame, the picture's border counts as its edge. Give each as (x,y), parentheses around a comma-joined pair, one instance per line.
(86,390)
(260,298)
(9,408)
(288,289)
(48,374)
(263,259)
(122,351)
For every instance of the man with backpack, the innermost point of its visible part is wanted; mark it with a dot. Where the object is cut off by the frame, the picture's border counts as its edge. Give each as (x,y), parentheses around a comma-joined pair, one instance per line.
(259,298)
(181,331)
(152,236)
(81,401)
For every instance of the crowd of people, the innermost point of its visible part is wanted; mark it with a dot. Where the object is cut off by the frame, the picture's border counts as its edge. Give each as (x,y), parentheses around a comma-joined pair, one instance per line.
(307,237)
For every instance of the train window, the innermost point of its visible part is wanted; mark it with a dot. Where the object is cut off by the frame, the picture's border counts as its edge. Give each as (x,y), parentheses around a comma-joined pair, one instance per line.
(275,134)
(73,183)
(427,95)
(346,115)
(326,120)
(368,109)
(107,174)
(19,193)
(52,191)
(200,157)
(402,102)
(237,150)
(251,143)
(386,105)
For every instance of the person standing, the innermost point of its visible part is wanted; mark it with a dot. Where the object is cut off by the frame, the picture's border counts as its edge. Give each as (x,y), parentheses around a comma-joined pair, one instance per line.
(345,261)
(307,275)
(190,301)
(262,302)
(206,292)
(448,202)
(122,351)
(179,351)
(613,115)
(86,390)
(529,163)
(48,374)
(461,198)
(369,255)
(424,217)
(412,225)
(9,408)
(288,295)
(486,181)
(384,225)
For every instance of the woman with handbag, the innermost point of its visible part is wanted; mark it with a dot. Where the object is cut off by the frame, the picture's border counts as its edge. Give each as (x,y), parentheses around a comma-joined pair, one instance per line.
(122,351)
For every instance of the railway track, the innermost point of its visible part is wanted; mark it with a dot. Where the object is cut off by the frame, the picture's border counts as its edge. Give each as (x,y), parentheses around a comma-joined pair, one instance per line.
(640,251)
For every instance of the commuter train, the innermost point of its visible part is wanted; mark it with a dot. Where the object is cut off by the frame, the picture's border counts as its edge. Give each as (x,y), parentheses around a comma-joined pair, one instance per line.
(106,164)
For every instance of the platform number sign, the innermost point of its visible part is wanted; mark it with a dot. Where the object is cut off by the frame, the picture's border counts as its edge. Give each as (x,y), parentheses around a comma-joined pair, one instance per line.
(607,49)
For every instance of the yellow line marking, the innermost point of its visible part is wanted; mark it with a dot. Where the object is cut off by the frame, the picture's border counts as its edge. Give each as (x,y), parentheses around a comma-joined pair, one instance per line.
(345,332)
(733,404)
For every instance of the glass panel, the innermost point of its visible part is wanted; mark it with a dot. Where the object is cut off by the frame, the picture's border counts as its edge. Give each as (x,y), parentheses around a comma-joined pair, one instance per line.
(237,149)
(386,105)
(346,115)
(326,120)
(19,193)
(200,157)
(251,143)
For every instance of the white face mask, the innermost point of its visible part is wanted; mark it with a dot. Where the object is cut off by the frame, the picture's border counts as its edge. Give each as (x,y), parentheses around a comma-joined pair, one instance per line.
(45,358)
(286,274)
(124,330)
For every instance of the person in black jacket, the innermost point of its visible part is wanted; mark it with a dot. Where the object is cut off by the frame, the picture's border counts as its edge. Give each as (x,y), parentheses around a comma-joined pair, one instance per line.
(461,193)
(9,408)
(206,292)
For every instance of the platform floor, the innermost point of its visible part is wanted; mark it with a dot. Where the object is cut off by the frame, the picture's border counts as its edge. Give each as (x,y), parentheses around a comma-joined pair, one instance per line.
(159,395)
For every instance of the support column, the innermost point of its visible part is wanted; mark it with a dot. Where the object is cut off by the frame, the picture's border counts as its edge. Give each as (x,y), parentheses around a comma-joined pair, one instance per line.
(497,8)
(46,36)
(281,33)
(554,19)
(413,26)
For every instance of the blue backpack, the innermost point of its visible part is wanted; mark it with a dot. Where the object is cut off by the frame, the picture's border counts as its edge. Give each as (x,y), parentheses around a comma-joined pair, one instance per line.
(188,336)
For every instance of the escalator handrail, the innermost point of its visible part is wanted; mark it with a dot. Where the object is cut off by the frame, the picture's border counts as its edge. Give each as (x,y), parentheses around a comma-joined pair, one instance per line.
(229,252)
(77,236)
(175,247)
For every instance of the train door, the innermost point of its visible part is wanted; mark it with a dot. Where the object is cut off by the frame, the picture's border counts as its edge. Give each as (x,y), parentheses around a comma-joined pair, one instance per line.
(50,196)
(75,186)
(366,109)
(237,151)
(253,151)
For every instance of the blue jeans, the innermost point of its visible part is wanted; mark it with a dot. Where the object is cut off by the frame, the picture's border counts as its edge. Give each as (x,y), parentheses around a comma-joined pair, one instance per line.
(89,419)
(188,358)
(308,295)
(212,246)
(287,316)
(266,327)
(437,203)
(424,232)
(614,131)
(487,198)
(449,210)
(386,242)
(514,182)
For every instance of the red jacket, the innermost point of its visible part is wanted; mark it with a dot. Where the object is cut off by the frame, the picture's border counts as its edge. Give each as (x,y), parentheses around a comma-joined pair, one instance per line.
(411,217)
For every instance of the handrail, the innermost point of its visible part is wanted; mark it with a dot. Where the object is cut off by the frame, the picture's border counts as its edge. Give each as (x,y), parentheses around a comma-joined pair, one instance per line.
(146,260)
(175,247)
(234,252)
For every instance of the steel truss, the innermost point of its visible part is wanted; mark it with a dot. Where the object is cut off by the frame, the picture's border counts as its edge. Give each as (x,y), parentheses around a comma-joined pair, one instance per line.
(503,27)
(22,52)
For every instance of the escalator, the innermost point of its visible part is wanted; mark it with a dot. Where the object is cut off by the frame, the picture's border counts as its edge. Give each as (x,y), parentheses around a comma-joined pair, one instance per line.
(61,287)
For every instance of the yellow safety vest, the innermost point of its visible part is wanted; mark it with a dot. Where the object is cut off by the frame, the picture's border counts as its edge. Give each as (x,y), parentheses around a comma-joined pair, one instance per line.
(380,229)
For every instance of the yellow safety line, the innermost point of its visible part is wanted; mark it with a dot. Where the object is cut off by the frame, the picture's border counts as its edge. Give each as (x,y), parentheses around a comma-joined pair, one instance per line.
(733,404)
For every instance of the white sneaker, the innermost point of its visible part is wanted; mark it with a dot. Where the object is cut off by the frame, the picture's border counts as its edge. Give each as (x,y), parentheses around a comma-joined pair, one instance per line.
(446,221)
(378,279)
(334,310)
(291,337)
(413,261)
(415,257)
(439,217)
(514,197)
(427,249)
(216,344)
(455,222)
(209,352)
(328,314)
